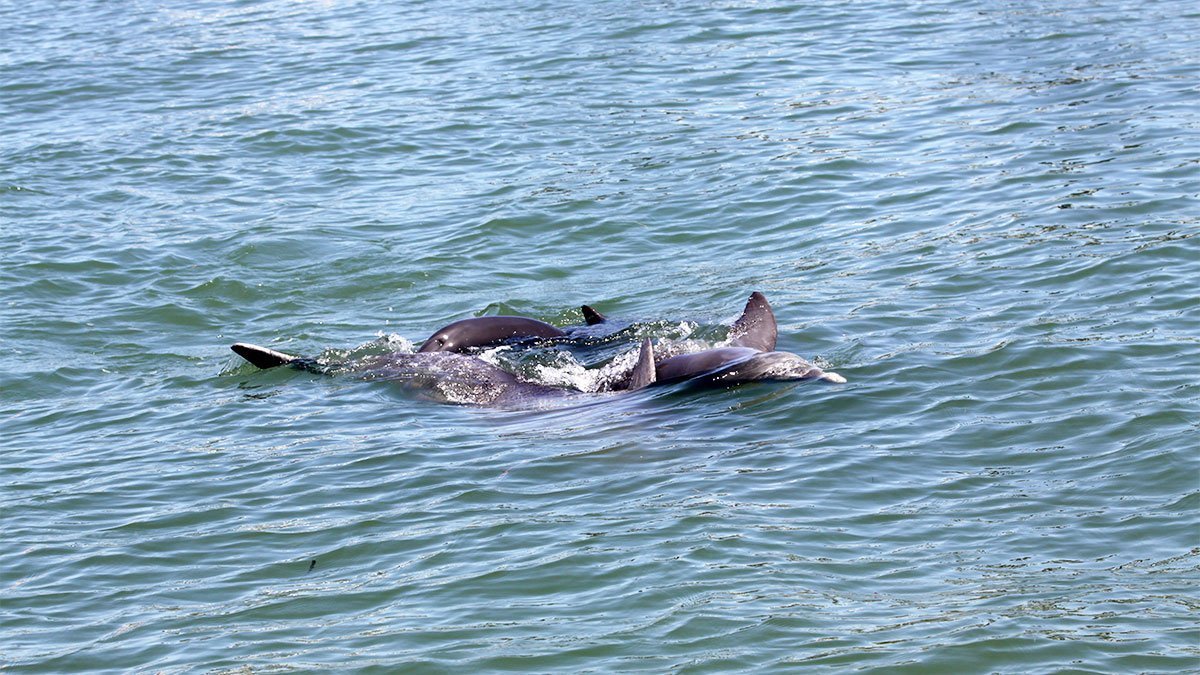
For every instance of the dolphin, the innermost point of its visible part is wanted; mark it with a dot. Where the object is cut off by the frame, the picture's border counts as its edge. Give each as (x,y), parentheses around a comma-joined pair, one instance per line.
(750,357)
(445,377)
(442,376)
(437,371)
(485,331)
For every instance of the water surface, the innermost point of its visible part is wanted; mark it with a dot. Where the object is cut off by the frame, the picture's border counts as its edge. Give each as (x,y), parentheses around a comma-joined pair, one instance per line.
(983,215)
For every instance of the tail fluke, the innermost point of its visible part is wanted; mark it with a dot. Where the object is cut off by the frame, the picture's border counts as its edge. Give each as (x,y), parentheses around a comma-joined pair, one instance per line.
(261,356)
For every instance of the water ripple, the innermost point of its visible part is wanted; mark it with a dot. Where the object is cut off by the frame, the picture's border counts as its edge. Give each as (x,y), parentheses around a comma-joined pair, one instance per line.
(982,215)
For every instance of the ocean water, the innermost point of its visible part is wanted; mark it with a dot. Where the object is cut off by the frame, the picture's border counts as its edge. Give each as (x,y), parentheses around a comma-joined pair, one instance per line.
(982,214)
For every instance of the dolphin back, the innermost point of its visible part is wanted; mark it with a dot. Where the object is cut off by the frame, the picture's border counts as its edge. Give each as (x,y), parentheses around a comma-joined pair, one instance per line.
(461,379)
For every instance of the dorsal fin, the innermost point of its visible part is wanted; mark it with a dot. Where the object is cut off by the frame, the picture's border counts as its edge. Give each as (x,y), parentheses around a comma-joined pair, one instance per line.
(755,328)
(643,373)
(591,316)
(261,356)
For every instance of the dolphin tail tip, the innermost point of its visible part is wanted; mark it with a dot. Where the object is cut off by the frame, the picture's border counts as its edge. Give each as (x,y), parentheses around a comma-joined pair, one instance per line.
(261,356)
(834,378)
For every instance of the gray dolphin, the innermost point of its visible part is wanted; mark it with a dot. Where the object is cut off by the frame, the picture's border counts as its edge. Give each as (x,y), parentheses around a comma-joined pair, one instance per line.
(437,372)
(484,331)
(445,377)
(751,356)
(442,376)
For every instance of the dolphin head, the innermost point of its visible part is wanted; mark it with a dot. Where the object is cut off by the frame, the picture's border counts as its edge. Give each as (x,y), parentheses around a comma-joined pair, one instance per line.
(445,340)
(484,331)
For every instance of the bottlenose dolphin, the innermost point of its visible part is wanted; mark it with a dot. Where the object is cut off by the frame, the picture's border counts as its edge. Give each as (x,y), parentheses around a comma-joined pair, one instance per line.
(442,376)
(484,331)
(750,357)
(487,331)
(437,371)
(445,377)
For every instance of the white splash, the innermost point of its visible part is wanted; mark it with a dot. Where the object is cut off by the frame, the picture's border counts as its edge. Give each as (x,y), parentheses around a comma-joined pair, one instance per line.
(394,342)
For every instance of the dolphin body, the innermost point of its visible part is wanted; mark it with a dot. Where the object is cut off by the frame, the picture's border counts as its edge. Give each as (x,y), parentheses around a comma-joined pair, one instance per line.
(445,377)
(439,372)
(441,376)
(485,331)
(750,358)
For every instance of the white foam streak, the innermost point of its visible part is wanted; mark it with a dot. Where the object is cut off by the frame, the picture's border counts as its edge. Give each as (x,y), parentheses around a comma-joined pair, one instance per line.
(566,371)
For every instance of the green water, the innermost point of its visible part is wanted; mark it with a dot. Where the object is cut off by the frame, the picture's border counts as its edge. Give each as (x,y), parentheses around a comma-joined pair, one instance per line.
(983,215)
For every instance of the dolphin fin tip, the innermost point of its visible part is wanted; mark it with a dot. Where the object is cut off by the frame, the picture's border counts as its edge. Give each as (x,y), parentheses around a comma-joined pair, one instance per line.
(644,373)
(591,316)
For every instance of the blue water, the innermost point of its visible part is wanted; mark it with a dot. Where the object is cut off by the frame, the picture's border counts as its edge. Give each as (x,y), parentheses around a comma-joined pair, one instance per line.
(983,215)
